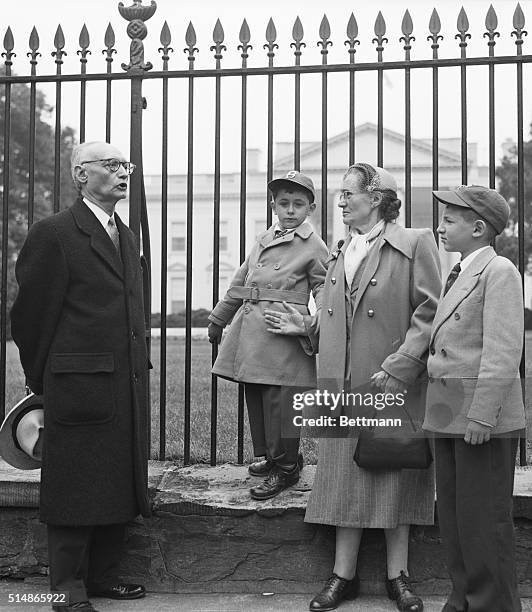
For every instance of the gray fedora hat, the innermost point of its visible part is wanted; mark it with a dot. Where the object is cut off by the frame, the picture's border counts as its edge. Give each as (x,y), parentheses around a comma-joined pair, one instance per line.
(21,433)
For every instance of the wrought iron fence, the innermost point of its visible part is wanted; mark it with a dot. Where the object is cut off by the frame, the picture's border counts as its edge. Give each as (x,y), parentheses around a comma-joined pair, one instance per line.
(138,71)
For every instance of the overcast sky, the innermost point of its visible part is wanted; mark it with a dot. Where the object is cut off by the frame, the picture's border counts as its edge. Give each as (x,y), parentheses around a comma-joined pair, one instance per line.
(96,14)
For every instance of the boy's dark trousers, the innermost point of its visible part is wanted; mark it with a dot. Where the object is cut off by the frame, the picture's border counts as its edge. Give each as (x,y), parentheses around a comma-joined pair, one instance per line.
(474,500)
(270,420)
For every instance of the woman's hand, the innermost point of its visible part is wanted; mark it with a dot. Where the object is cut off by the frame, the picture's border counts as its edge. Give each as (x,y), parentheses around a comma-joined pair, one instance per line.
(289,323)
(388,384)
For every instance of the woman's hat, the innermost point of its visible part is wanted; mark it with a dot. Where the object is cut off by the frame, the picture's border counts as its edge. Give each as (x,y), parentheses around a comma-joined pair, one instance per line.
(21,434)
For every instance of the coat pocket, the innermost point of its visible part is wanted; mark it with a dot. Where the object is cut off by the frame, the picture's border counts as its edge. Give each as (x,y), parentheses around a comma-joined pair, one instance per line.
(80,390)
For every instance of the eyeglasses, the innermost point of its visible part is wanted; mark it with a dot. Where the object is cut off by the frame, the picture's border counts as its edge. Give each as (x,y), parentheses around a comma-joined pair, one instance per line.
(113,164)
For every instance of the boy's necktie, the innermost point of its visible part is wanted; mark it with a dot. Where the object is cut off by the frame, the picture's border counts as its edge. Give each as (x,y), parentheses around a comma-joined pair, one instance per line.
(112,230)
(278,233)
(453,275)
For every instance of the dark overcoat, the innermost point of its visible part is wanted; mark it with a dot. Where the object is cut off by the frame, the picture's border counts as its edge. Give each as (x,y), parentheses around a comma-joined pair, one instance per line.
(78,321)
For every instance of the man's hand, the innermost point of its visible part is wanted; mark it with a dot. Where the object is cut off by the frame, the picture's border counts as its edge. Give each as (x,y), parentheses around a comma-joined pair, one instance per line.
(289,323)
(388,384)
(215,333)
(476,433)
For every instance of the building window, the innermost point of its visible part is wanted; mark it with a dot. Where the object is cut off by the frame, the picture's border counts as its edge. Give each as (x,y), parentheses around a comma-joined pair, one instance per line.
(178,236)
(223,236)
(177,293)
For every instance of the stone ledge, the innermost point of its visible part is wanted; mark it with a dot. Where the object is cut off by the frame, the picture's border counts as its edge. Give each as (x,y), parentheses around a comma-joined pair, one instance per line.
(208,536)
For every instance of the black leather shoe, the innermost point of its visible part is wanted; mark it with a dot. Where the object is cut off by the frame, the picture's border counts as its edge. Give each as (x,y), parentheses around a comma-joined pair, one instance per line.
(120,591)
(79,606)
(279,479)
(400,591)
(262,468)
(336,590)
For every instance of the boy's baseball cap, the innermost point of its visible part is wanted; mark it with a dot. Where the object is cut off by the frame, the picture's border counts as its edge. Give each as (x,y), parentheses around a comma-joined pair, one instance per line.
(296,178)
(487,203)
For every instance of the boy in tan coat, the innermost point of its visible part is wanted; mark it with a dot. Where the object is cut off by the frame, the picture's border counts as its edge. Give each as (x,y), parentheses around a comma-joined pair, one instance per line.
(286,263)
(474,402)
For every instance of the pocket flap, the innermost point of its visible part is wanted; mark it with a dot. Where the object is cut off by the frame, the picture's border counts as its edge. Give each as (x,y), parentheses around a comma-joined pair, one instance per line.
(88,363)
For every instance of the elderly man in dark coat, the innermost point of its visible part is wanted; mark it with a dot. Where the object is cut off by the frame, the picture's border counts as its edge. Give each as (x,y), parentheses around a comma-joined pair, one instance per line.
(78,322)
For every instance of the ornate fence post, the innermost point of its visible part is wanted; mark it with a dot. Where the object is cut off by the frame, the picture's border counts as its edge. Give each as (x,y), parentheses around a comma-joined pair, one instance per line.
(137,14)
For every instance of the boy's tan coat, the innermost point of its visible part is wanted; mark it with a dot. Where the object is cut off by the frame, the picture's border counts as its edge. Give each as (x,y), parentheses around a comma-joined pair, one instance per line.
(249,353)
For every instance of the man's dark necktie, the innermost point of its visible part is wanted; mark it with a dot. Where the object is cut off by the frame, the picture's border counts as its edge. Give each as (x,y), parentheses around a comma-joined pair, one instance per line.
(453,275)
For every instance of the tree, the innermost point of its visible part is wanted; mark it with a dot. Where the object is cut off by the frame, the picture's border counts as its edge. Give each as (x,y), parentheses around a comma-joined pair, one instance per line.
(507,244)
(19,170)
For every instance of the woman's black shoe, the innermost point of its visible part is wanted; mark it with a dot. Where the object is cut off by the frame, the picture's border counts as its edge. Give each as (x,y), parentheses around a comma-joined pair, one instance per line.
(336,590)
(401,592)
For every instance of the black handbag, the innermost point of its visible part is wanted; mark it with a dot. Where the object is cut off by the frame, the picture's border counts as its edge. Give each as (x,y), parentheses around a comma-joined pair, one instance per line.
(404,450)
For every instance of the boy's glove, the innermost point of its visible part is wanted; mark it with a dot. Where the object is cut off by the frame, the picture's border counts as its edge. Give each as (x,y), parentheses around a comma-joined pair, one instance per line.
(215,333)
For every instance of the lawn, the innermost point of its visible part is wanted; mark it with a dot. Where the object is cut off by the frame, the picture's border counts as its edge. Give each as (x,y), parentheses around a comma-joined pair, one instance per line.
(200,410)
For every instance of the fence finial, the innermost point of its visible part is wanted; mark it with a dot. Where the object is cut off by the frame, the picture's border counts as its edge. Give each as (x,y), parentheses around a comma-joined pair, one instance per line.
(166,39)
(9,45)
(244,36)
(137,14)
(297,35)
(190,40)
(380,31)
(84,42)
(218,36)
(434,29)
(491,24)
(407,27)
(519,24)
(34,50)
(352,33)
(271,35)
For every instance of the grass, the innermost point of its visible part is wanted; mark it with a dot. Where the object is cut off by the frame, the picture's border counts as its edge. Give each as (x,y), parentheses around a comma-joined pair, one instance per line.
(200,409)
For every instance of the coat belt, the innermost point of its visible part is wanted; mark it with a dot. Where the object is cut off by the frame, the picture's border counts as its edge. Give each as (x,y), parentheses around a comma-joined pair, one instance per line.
(259,294)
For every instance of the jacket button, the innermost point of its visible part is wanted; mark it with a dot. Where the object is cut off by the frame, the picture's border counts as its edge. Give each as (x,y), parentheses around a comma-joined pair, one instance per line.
(269,286)
(135,377)
(253,284)
(330,311)
(371,313)
(333,280)
(457,315)
(432,350)
(444,352)
(276,267)
(373,282)
(260,265)
(133,334)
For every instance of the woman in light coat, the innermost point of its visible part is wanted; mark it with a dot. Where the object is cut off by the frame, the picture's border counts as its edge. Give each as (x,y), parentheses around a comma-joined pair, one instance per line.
(379,300)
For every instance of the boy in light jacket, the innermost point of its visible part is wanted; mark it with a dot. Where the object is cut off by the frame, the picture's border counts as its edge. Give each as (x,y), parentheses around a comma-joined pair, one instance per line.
(286,263)
(474,402)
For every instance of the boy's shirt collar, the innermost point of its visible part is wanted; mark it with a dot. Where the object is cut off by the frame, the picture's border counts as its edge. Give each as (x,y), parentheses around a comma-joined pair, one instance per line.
(469,259)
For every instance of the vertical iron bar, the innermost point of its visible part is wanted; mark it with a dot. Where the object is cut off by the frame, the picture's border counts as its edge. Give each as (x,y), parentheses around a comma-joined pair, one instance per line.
(408,153)
(380,119)
(521,225)
(269,163)
(324,42)
(5,236)
(58,53)
(491,111)
(297,119)
(164,269)
(435,37)
(31,156)
(216,257)
(188,303)
(242,237)
(463,26)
